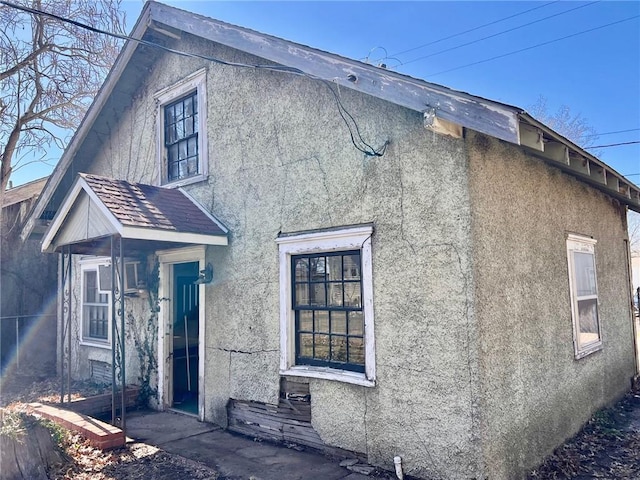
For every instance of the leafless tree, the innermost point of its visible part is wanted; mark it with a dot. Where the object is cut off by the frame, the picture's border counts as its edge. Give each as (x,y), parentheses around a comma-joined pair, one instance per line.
(50,70)
(573,126)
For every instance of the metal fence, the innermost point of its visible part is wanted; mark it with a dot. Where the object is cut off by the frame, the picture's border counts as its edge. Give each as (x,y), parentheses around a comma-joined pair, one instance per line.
(28,344)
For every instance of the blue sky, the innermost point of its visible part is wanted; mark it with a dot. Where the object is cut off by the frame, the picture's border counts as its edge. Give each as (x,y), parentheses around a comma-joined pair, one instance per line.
(596,74)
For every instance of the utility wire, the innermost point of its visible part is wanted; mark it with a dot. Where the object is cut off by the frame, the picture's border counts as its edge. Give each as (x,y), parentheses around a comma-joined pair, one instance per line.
(354,132)
(610,133)
(497,34)
(533,46)
(472,29)
(613,145)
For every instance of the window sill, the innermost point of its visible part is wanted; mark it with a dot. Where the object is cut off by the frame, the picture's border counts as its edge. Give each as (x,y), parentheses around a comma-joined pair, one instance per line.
(185,181)
(325,373)
(89,343)
(588,350)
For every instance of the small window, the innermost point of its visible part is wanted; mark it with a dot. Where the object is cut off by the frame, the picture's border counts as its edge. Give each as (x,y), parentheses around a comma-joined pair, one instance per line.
(95,308)
(182,134)
(326,305)
(584,295)
(181,137)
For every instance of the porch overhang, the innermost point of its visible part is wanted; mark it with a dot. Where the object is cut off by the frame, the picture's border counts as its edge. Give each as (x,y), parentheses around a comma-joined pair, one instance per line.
(146,217)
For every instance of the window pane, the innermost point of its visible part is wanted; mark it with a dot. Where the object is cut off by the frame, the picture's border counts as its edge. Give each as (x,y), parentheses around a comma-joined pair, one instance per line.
(301,269)
(352,295)
(356,351)
(356,323)
(91,287)
(305,320)
(322,347)
(182,152)
(334,267)
(352,267)
(588,321)
(317,268)
(318,294)
(335,294)
(302,294)
(322,321)
(338,349)
(192,146)
(306,345)
(192,166)
(585,273)
(339,322)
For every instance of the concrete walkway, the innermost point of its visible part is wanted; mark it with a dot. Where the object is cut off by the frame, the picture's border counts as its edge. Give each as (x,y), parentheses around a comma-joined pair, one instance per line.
(235,457)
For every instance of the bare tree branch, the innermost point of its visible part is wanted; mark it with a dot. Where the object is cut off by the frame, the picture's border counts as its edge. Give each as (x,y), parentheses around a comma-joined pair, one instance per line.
(50,70)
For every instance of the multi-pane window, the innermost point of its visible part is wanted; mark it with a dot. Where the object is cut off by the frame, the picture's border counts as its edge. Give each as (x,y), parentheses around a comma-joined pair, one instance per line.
(584,294)
(182,151)
(329,318)
(181,137)
(95,309)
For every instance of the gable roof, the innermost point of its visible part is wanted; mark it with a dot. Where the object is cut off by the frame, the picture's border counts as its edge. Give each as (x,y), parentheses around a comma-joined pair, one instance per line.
(158,23)
(99,207)
(24,192)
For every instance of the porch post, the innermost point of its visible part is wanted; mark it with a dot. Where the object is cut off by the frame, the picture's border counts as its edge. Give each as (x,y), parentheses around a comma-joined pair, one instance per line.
(113,332)
(123,406)
(64,315)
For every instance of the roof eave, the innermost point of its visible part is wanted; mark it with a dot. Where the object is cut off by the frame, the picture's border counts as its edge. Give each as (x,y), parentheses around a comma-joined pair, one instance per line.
(548,145)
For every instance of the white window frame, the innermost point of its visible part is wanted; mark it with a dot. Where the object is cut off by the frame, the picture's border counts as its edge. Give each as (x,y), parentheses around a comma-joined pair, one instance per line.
(582,244)
(350,238)
(86,265)
(197,81)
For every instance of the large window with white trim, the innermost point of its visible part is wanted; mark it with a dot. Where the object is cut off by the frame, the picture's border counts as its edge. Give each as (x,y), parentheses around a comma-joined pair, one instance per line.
(182,134)
(326,305)
(584,294)
(96,305)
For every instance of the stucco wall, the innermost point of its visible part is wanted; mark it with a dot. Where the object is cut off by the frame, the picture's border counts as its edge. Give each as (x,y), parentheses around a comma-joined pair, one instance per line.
(280,159)
(534,393)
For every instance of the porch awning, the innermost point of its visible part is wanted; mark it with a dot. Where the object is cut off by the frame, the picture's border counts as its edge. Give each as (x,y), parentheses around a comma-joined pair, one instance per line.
(145,216)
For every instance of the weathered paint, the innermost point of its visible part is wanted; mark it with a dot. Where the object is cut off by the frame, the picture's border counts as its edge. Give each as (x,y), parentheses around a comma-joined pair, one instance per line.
(533,392)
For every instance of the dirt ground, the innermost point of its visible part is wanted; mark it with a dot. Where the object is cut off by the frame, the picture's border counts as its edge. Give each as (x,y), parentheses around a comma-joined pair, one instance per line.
(134,461)
(608,447)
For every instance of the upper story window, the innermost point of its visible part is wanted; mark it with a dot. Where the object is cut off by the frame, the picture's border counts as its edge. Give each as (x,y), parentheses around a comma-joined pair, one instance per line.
(584,294)
(182,133)
(326,305)
(96,305)
(181,137)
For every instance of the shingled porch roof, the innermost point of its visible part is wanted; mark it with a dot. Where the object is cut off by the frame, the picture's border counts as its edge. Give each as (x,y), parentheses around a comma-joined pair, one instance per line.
(147,217)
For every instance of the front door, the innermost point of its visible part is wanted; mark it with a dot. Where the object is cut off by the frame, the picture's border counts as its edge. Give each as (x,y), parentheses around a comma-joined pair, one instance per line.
(185,337)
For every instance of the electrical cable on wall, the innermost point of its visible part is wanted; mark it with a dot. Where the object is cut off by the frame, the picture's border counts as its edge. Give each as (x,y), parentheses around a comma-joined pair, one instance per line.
(354,132)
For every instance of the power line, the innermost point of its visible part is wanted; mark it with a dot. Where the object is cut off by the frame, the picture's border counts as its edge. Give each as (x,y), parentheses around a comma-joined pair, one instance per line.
(533,46)
(472,29)
(354,131)
(497,34)
(610,133)
(613,145)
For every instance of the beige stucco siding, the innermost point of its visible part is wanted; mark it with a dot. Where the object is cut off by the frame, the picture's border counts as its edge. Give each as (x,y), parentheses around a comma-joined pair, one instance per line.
(533,392)
(281,159)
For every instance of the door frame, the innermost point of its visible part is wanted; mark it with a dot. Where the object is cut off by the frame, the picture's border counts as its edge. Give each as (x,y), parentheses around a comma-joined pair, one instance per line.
(167,259)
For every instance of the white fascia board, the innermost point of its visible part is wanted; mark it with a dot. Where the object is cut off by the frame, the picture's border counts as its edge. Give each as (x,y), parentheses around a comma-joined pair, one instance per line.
(58,221)
(90,117)
(154,234)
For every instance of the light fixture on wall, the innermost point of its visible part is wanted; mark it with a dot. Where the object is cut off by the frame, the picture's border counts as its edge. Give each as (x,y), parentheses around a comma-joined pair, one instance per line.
(206,275)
